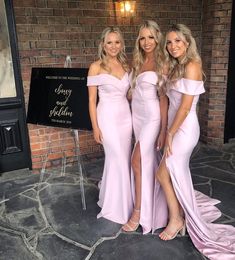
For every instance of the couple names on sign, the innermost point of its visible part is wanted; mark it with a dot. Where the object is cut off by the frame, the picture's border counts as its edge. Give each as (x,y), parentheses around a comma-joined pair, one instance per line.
(61,108)
(59,97)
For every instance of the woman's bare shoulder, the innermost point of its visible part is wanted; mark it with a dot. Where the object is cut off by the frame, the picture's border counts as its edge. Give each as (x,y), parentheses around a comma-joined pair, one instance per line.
(94,68)
(193,70)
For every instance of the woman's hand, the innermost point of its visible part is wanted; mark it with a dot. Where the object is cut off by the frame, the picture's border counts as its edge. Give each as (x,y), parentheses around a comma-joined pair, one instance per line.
(161,140)
(98,135)
(168,144)
(129,95)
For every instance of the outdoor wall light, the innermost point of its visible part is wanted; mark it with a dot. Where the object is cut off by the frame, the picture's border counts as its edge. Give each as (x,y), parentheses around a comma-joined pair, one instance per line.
(125,8)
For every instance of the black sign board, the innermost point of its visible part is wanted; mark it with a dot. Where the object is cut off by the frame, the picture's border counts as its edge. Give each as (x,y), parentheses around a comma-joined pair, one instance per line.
(59,97)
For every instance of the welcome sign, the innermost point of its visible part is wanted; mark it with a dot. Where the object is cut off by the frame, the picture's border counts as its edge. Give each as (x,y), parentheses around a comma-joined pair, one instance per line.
(59,97)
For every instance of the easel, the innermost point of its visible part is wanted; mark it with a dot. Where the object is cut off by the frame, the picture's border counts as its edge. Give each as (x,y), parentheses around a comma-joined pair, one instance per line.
(67,64)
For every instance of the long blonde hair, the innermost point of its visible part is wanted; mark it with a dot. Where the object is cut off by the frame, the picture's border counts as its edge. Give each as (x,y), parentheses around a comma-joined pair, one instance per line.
(139,54)
(176,67)
(102,54)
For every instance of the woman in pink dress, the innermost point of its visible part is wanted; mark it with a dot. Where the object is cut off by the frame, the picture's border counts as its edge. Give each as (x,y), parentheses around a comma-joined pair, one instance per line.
(187,208)
(112,126)
(149,115)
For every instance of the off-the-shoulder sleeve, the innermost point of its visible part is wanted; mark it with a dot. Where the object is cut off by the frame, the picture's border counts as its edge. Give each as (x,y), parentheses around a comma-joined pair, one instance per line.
(93,80)
(190,87)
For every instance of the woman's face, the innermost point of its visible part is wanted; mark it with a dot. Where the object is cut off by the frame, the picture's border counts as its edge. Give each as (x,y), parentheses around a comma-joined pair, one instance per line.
(147,41)
(176,46)
(112,44)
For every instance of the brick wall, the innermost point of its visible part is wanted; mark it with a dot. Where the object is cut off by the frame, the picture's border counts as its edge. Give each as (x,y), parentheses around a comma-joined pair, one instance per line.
(215,52)
(48,30)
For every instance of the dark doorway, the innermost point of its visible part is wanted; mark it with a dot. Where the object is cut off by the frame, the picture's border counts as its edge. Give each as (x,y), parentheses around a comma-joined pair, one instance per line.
(229,129)
(14,141)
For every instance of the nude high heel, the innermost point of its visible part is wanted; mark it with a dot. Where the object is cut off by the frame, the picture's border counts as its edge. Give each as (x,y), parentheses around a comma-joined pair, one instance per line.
(128,227)
(181,230)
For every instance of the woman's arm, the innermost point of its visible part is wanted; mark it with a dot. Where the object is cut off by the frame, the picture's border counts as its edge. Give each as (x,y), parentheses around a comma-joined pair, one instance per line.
(163,110)
(163,113)
(130,90)
(92,91)
(129,94)
(193,71)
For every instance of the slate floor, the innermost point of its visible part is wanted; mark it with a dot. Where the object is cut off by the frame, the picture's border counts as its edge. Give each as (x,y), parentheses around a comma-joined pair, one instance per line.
(41,216)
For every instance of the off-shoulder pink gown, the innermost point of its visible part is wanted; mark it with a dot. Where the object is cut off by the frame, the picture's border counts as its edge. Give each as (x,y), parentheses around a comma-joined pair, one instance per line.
(114,120)
(146,124)
(216,241)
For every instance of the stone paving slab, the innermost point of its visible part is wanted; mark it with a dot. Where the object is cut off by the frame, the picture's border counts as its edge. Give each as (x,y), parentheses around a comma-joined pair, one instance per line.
(10,188)
(22,214)
(64,213)
(52,247)
(41,217)
(12,247)
(225,192)
(149,247)
(214,173)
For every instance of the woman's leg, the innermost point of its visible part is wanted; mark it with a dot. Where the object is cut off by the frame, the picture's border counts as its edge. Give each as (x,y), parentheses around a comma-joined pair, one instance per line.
(133,222)
(176,222)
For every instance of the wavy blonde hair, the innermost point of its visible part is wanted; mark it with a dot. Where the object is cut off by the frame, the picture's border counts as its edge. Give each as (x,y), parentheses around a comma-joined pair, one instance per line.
(176,67)
(139,54)
(121,55)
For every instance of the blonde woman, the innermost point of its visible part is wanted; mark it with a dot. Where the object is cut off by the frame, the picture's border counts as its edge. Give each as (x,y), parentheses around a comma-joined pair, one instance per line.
(111,122)
(149,115)
(188,208)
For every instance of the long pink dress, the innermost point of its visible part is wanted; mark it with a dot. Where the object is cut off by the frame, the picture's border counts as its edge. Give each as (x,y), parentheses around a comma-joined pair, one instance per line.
(114,120)
(216,241)
(146,124)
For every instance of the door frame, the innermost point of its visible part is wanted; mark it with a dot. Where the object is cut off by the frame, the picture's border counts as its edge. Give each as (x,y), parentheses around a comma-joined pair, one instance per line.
(18,102)
(229,126)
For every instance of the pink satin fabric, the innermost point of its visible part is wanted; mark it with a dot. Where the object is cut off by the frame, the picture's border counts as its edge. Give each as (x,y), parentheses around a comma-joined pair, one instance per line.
(146,124)
(114,120)
(216,241)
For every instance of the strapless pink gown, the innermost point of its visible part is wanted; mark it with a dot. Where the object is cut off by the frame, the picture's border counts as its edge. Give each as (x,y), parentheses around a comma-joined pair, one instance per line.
(114,120)
(216,241)
(146,124)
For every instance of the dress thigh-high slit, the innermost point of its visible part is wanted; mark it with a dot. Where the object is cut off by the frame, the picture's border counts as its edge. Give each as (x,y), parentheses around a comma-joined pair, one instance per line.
(146,124)
(216,241)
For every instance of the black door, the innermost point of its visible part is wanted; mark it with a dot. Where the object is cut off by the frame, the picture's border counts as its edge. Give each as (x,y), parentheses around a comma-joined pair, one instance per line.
(14,141)
(229,129)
